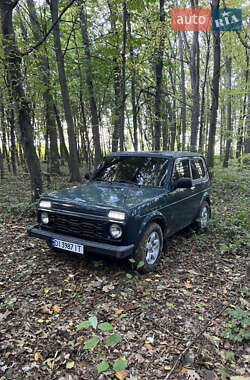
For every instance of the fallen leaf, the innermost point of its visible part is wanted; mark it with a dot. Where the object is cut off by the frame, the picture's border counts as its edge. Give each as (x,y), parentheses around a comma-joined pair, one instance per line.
(56,309)
(148,346)
(121,375)
(120,311)
(46,291)
(187,285)
(70,365)
(45,309)
(38,356)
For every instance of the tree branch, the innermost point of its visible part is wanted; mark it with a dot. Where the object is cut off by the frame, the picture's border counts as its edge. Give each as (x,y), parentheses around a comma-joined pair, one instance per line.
(49,31)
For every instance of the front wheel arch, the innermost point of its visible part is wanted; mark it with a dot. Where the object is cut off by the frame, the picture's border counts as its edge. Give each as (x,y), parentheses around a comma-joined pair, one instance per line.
(148,251)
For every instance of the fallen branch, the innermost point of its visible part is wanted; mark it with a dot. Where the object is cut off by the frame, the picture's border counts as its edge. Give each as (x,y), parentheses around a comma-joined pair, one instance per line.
(192,342)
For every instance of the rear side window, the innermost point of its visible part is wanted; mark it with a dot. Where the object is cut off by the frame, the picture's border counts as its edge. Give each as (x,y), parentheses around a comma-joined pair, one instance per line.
(181,170)
(197,168)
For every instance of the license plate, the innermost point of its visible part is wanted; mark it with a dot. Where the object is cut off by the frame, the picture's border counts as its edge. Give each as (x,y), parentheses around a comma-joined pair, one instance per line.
(68,246)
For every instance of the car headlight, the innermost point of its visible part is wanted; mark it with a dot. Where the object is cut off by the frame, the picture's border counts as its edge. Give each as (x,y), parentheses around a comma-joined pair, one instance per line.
(116,215)
(115,231)
(45,217)
(45,204)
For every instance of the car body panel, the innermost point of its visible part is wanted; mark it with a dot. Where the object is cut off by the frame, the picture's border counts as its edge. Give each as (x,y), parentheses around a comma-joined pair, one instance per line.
(82,212)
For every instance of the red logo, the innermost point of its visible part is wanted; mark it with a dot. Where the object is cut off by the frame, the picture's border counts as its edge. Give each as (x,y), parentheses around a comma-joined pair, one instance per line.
(191,19)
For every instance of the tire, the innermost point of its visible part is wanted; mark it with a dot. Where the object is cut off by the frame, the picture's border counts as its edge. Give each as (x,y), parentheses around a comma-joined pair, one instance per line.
(149,249)
(204,215)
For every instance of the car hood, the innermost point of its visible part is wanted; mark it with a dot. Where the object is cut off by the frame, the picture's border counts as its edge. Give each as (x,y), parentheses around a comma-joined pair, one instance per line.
(105,196)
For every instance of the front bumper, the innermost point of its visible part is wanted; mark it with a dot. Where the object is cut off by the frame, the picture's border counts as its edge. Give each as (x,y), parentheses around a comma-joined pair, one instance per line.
(118,252)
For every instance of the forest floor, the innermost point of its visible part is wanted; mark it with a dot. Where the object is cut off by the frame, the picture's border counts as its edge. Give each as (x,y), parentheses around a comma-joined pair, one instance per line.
(188,320)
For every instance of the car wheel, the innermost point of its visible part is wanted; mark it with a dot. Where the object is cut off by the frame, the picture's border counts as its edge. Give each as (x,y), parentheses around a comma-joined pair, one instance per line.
(149,249)
(204,216)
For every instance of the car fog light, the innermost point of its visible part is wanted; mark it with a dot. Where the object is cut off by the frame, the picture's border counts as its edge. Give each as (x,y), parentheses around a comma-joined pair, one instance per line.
(45,217)
(115,231)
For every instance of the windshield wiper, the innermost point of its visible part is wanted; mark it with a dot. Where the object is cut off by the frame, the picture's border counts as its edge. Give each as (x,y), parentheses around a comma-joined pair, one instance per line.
(128,181)
(101,180)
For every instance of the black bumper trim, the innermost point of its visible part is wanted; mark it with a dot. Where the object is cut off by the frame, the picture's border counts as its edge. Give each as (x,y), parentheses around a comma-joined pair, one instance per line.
(118,252)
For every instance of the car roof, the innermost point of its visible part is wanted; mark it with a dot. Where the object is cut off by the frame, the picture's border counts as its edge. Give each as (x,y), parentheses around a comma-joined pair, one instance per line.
(163,154)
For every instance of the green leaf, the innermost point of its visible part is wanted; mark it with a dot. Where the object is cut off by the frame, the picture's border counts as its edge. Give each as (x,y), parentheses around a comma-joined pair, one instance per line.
(239,378)
(102,367)
(83,325)
(229,355)
(129,276)
(91,343)
(71,343)
(132,261)
(105,326)
(120,365)
(113,340)
(70,365)
(93,322)
(140,264)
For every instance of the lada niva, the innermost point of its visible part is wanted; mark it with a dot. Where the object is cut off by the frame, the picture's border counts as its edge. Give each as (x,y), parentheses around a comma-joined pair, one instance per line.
(130,205)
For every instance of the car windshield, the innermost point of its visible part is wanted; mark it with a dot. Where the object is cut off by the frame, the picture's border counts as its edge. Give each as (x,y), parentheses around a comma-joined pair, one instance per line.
(141,171)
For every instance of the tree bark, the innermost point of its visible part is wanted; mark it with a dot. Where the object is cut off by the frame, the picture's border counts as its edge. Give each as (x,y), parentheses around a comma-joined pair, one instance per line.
(158,86)
(229,110)
(203,88)
(246,116)
(183,95)
(214,92)
(89,82)
(73,156)
(43,65)
(123,73)
(11,120)
(133,84)
(13,69)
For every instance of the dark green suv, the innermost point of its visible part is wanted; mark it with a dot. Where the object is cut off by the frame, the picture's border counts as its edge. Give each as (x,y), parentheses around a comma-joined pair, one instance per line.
(130,205)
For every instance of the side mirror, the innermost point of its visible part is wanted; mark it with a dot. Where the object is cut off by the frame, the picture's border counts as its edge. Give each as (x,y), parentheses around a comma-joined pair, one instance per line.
(182,183)
(88,175)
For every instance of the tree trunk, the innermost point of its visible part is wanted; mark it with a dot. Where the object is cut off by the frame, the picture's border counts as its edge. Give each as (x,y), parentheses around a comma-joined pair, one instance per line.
(11,119)
(203,88)
(73,157)
(123,72)
(183,95)
(43,65)
(214,92)
(89,82)
(1,165)
(158,78)
(229,110)
(117,107)
(83,125)
(13,63)
(133,84)
(246,116)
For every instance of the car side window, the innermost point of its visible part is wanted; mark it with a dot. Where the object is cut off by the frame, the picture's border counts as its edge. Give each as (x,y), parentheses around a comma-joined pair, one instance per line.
(197,168)
(181,170)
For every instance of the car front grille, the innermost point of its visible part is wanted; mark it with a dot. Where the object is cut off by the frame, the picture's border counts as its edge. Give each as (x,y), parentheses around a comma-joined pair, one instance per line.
(78,226)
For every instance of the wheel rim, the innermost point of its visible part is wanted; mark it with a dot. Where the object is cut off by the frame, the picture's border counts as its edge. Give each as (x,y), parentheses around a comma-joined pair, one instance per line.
(204,217)
(152,248)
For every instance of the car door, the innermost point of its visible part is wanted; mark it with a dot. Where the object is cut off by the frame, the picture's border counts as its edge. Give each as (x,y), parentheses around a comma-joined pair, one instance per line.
(181,208)
(200,180)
